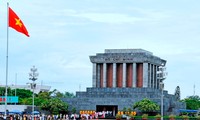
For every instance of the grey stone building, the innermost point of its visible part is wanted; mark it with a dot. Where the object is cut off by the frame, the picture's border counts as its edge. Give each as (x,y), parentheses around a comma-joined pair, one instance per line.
(122,77)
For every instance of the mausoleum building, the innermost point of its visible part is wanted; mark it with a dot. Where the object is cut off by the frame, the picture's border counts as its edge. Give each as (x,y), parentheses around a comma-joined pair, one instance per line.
(125,68)
(122,77)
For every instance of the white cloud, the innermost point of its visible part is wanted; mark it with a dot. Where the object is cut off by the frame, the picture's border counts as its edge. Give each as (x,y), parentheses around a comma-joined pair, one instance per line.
(111,18)
(120,18)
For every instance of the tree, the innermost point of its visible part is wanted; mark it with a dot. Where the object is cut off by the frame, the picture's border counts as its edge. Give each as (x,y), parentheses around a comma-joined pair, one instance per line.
(25,96)
(49,101)
(55,106)
(146,105)
(59,94)
(56,93)
(9,91)
(2,91)
(44,95)
(22,93)
(73,110)
(68,95)
(192,102)
(25,101)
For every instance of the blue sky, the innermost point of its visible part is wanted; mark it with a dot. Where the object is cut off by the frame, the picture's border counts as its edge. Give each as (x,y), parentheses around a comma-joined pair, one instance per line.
(64,33)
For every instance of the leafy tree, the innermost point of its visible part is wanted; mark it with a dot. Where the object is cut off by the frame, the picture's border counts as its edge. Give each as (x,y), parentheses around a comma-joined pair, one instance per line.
(53,92)
(25,96)
(73,110)
(38,101)
(55,106)
(45,100)
(44,95)
(69,95)
(146,105)
(22,93)
(25,101)
(192,102)
(59,94)
(2,91)
(56,93)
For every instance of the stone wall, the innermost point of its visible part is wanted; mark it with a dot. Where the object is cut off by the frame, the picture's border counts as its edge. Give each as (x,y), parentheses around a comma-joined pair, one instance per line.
(122,97)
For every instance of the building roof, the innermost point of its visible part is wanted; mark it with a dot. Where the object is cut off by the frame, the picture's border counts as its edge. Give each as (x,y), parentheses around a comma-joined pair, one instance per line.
(127,56)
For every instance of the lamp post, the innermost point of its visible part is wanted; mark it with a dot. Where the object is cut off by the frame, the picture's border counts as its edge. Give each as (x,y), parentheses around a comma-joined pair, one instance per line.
(15,86)
(161,75)
(162,87)
(33,76)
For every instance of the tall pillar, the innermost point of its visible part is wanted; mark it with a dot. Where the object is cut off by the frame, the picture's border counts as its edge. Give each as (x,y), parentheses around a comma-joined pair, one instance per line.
(154,75)
(134,75)
(150,75)
(109,82)
(124,75)
(114,75)
(94,75)
(129,75)
(139,75)
(101,75)
(98,76)
(119,75)
(145,74)
(153,81)
(104,74)
(156,80)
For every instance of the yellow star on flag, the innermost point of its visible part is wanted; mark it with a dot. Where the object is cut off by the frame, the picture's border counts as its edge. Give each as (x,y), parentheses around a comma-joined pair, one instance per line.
(18,22)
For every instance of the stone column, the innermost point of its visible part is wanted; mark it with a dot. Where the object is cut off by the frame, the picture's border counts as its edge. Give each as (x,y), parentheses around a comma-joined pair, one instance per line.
(157,82)
(104,74)
(124,75)
(145,74)
(150,75)
(134,75)
(153,76)
(98,76)
(114,75)
(94,75)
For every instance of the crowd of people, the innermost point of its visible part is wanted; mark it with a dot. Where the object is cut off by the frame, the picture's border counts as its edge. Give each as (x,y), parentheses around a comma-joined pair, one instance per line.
(36,117)
(83,115)
(49,117)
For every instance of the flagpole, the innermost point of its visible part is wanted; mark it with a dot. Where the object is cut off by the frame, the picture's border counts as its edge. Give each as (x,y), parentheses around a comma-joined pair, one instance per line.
(6,92)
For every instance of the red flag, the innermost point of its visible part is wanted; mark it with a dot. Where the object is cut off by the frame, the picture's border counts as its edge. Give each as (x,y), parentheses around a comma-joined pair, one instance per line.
(16,23)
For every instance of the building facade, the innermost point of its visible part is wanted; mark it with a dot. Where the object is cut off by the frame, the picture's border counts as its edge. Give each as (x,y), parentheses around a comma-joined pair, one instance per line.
(126,68)
(122,77)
